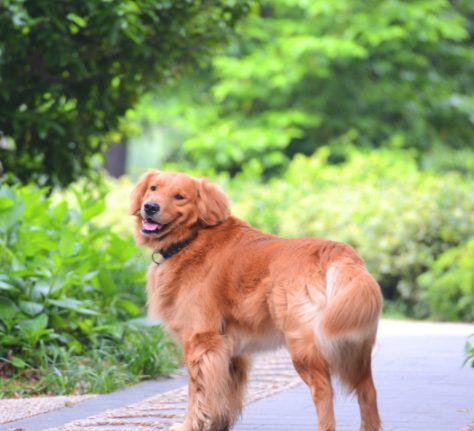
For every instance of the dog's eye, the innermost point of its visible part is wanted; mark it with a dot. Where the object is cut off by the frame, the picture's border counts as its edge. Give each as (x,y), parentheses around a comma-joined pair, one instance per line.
(178,197)
(153,188)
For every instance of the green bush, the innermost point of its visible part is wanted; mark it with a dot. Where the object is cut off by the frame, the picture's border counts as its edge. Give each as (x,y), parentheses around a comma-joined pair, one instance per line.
(399,218)
(71,289)
(469,349)
(449,284)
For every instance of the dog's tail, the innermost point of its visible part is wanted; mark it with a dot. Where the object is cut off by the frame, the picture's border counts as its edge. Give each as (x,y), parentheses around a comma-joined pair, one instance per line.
(354,301)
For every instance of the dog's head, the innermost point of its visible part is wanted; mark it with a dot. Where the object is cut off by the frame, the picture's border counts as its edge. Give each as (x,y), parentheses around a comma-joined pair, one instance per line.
(171,206)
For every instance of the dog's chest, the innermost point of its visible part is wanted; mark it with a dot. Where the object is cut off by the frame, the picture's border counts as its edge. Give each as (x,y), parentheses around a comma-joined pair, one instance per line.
(162,292)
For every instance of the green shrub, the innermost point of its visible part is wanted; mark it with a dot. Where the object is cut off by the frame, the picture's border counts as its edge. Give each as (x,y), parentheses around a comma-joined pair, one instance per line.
(399,218)
(71,289)
(469,349)
(449,284)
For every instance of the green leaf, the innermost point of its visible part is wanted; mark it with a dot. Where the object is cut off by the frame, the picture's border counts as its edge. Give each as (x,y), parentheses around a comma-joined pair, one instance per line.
(8,309)
(42,262)
(30,308)
(40,289)
(39,323)
(128,306)
(87,311)
(57,261)
(79,198)
(24,245)
(8,286)
(133,37)
(17,362)
(68,339)
(18,266)
(36,326)
(115,329)
(106,283)
(60,211)
(5,203)
(11,215)
(7,192)
(76,19)
(23,273)
(85,326)
(138,276)
(56,321)
(72,304)
(94,210)
(89,275)
(58,283)
(9,340)
(67,244)
(32,241)
(120,249)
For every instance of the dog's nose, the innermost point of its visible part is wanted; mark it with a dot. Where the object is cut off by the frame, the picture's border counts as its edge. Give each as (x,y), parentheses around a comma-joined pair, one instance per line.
(151,207)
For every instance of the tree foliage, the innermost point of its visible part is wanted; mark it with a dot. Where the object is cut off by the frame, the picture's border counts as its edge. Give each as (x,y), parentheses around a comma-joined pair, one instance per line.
(70,69)
(303,74)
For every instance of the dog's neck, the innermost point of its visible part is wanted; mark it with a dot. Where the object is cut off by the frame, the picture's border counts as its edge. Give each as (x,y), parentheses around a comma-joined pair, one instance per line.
(173,249)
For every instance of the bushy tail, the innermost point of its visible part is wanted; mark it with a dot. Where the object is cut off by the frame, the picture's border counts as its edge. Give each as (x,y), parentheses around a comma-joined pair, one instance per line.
(354,301)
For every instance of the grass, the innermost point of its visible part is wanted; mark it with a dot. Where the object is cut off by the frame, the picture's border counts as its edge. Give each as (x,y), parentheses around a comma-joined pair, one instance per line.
(145,354)
(102,369)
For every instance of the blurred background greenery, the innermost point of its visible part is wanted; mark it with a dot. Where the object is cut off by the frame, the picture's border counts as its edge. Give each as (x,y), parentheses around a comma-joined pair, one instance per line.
(350,120)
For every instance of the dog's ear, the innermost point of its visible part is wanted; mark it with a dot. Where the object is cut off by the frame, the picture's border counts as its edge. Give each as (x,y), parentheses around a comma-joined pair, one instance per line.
(212,203)
(140,190)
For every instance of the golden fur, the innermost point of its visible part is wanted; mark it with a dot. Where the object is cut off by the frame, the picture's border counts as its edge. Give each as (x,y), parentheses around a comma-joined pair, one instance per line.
(235,290)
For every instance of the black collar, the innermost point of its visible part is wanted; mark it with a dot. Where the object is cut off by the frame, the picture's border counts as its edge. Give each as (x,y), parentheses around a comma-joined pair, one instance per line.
(171,250)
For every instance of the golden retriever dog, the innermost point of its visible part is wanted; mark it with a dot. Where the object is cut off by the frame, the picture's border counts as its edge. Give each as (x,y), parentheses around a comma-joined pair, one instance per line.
(226,290)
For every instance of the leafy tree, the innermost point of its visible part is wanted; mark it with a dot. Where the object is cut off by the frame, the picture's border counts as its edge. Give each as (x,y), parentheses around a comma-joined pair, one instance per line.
(303,74)
(70,69)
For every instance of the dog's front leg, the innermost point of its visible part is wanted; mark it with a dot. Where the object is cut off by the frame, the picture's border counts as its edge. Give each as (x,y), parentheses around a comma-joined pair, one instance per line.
(211,405)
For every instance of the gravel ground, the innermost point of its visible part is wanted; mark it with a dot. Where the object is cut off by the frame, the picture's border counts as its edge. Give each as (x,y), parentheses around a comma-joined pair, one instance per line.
(21,408)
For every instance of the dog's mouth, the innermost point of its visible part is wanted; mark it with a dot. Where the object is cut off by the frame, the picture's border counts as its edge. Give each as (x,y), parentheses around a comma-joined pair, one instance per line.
(151,227)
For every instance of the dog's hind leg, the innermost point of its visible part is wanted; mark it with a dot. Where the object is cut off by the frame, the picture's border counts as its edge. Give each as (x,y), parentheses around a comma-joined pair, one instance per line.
(353,365)
(239,368)
(314,370)
(367,397)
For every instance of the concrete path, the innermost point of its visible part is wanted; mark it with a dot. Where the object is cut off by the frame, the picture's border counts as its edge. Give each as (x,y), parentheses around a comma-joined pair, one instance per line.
(417,372)
(418,375)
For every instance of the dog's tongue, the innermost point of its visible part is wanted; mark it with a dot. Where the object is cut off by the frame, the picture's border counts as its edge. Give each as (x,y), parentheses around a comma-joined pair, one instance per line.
(151,226)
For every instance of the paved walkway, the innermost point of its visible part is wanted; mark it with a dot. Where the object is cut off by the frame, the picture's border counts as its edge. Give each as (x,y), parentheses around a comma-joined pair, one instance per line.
(418,375)
(417,372)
